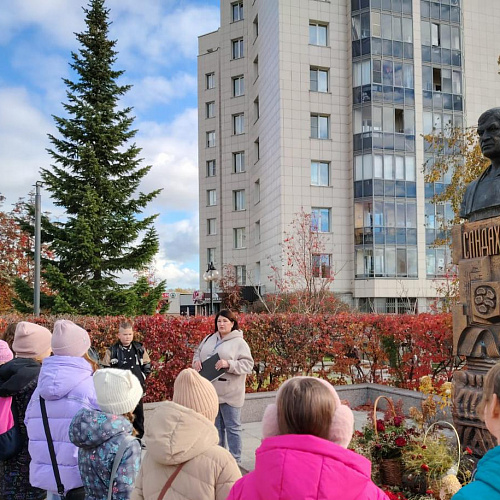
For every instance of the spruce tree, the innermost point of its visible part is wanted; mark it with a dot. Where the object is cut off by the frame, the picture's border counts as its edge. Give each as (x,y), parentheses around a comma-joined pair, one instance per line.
(95,176)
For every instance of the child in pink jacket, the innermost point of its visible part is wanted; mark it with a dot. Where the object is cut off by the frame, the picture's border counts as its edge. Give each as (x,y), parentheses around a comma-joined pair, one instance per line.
(303,454)
(6,418)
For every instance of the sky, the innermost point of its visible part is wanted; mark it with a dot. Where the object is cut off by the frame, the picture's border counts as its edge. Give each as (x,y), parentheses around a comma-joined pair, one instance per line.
(157,44)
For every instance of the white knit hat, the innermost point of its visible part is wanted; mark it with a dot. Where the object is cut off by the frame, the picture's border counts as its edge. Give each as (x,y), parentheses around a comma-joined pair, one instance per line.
(117,391)
(69,339)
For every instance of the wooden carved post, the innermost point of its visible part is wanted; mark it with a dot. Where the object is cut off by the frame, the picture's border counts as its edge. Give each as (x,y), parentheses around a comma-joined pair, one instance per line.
(476,324)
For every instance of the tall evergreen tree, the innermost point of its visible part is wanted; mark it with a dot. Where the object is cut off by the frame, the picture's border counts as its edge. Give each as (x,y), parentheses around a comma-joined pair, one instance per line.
(95,175)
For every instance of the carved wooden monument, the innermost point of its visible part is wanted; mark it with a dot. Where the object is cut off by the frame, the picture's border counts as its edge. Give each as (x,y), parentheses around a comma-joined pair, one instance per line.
(476,320)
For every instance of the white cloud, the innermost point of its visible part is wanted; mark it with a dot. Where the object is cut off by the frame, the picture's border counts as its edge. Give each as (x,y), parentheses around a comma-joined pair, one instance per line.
(179,240)
(155,90)
(172,150)
(23,136)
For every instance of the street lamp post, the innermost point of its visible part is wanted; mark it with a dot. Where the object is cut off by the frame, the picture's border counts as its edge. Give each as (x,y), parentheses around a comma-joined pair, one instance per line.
(210,275)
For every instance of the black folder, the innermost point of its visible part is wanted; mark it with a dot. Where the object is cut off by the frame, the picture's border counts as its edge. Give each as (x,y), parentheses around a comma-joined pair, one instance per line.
(208,368)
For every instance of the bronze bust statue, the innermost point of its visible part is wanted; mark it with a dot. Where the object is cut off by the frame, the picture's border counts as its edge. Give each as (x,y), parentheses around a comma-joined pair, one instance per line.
(482,196)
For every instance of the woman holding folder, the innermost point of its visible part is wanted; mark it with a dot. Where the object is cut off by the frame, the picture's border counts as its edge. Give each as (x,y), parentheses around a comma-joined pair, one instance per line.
(235,357)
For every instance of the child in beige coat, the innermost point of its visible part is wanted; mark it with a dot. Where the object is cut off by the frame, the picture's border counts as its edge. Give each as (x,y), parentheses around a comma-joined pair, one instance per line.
(181,439)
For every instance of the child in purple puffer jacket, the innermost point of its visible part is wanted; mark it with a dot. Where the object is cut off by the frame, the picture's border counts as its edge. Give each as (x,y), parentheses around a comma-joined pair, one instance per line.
(65,383)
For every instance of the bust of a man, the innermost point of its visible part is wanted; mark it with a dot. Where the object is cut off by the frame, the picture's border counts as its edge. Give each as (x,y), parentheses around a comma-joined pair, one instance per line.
(482,196)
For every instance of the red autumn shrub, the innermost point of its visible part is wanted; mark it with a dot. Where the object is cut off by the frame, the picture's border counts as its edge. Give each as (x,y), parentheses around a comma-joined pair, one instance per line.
(346,347)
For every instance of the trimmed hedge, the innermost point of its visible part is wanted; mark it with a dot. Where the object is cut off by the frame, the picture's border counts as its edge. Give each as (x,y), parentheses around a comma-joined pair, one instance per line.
(346,347)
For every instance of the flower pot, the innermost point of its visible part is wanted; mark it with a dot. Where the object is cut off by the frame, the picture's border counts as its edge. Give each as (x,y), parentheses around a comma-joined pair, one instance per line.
(391,471)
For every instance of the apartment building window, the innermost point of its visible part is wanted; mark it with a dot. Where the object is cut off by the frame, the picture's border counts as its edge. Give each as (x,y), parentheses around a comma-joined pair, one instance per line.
(211,139)
(256,68)
(239,237)
(256,108)
(257,149)
(238,124)
(241,275)
(211,226)
(237,11)
(320,126)
(256,27)
(210,109)
(239,200)
(319,79)
(318,33)
(210,80)
(320,173)
(256,191)
(211,170)
(237,48)
(322,265)
(238,85)
(320,220)
(211,255)
(256,274)
(211,197)
(238,162)
(257,232)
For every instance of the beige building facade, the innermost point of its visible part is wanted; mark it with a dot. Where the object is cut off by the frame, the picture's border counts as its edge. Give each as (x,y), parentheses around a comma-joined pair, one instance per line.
(320,105)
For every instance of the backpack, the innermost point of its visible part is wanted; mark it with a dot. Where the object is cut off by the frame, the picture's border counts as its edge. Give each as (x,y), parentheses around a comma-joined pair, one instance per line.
(11,441)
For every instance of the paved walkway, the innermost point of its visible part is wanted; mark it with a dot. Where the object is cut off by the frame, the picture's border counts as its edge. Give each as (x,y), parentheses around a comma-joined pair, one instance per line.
(252,433)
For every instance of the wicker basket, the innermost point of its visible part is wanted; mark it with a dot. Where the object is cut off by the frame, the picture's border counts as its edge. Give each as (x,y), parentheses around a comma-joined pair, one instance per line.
(391,469)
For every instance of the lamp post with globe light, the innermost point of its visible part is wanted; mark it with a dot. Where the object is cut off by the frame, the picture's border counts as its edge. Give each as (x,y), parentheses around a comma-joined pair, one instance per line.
(210,275)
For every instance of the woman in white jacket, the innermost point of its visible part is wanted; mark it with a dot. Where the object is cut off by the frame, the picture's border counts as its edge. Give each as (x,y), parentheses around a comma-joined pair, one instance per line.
(235,356)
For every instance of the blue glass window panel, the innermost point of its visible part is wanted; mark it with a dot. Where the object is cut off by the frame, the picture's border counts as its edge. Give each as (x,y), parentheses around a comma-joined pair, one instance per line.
(388,93)
(429,190)
(400,189)
(436,55)
(426,53)
(410,143)
(356,48)
(387,47)
(378,188)
(411,236)
(437,100)
(411,190)
(435,11)
(397,49)
(358,189)
(447,101)
(357,142)
(376,46)
(376,4)
(354,5)
(427,95)
(367,141)
(390,188)
(365,4)
(430,236)
(356,95)
(377,95)
(409,97)
(366,93)
(456,58)
(438,187)
(378,142)
(379,234)
(396,5)
(365,46)
(408,51)
(407,7)
(389,141)
(401,236)
(399,142)
(446,56)
(390,236)
(367,188)
(454,14)
(445,12)
(399,95)
(425,9)
(457,102)
(386,5)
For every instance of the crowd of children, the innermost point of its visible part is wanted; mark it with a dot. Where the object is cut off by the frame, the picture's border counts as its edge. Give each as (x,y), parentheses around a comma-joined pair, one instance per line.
(66,431)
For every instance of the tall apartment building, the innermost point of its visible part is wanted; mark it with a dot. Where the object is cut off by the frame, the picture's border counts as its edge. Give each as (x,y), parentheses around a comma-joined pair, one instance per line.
(321,105)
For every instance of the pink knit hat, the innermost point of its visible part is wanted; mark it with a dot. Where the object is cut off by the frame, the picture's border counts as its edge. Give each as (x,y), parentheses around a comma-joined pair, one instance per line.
(5,352)
(341,428)
(69,339)
(30,340)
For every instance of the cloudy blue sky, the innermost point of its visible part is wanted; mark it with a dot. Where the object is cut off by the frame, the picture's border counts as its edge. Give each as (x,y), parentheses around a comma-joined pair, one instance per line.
(157,45)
